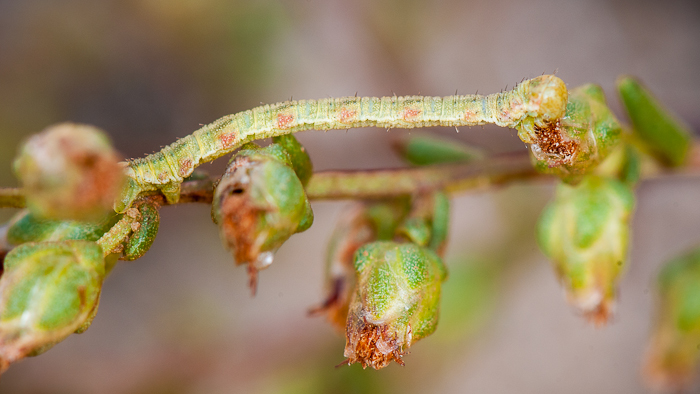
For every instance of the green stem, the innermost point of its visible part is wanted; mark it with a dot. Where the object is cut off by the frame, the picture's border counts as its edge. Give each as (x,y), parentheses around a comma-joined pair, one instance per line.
(372,184)
(396,182)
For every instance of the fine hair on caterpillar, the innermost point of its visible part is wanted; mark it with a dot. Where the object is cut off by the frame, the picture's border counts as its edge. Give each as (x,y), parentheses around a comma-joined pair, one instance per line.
(532,103)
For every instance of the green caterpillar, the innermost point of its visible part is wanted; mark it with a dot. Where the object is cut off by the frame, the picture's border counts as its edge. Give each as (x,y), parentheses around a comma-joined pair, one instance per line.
(534,103)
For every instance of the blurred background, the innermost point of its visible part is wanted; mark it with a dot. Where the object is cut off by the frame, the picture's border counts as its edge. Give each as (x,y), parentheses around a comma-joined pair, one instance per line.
(180,320)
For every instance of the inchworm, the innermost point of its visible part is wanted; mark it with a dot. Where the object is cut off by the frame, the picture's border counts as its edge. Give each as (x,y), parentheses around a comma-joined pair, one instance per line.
(535,102)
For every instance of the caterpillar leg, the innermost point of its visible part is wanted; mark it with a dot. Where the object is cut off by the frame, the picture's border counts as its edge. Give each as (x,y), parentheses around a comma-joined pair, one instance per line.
(129,192)
(171,191)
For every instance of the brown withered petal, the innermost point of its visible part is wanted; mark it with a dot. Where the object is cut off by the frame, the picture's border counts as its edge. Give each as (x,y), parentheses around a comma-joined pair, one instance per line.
(373,345)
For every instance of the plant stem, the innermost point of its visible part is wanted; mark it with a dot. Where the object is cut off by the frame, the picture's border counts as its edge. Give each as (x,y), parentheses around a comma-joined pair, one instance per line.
(375,184)
(12,198)
(395,182)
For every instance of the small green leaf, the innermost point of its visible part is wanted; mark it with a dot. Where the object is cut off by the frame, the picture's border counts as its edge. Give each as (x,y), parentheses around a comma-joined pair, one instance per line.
(665,134)
(422,150)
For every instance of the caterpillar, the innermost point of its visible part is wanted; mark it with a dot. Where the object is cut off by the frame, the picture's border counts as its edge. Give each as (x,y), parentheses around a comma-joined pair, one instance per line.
(537,102)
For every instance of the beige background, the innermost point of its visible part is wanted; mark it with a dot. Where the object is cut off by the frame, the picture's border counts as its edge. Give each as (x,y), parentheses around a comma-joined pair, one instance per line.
(180,320)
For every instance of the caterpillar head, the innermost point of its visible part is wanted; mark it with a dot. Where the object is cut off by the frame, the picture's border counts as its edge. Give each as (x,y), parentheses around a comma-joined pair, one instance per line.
(545,97)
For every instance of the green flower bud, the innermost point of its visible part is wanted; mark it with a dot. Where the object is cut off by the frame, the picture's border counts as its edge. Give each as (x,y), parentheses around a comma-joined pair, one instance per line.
(585,232)
(28,227)
(298,158)
(259,203)
(361,223)
(395,302)
(665,134)
(69,171)
(47,291)
(580,140)
(673,355)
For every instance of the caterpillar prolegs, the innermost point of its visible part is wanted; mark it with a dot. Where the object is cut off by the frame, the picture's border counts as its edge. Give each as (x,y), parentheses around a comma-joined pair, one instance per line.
(532,106)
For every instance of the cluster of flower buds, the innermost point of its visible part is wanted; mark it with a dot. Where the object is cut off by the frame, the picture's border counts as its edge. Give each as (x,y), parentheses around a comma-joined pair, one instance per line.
(673,354)
(48,291)
(260,201)
(53,257)
(384,276)
(585,232)
(69,171)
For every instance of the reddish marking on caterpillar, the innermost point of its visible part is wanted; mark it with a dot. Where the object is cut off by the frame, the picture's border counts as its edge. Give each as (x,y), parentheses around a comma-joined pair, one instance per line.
(227,140)
(185,167)
(162,176)
(347,116)
(505,113)
(410,113)
(284,121)
(468,114)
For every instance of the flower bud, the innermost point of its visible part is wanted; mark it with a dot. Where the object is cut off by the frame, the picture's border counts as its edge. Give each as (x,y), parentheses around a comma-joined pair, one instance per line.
(259,203)
(28,227)
(395,302)
(673,354)
(69,171)
(576,143)
(299,159)
(48,291)
(585,232)
(361,223)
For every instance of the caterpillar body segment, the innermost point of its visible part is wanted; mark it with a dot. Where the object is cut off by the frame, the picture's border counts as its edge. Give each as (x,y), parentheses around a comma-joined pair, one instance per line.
(533,102)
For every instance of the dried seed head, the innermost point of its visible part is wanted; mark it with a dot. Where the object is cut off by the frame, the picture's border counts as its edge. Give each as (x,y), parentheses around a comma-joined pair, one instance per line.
(48,291)
(585,232)
(673,356)
(258,204)
(69,171)
(395,302)
(577,142)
